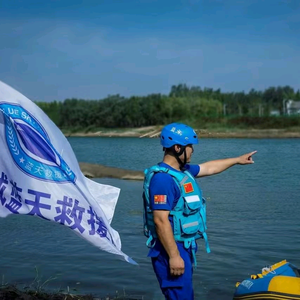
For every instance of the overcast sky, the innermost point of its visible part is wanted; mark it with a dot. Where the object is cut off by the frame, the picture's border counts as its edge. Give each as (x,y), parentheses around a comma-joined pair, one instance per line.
(53,50)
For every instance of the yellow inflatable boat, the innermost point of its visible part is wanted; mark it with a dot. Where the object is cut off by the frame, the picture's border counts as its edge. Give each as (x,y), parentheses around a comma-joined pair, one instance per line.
(279,281)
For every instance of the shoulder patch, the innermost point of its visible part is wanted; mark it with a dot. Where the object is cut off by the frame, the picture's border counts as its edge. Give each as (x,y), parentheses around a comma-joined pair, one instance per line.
(188,187)
(160,199)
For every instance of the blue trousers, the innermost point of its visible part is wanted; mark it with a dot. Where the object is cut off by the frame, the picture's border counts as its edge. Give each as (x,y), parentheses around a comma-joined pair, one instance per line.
(174,287)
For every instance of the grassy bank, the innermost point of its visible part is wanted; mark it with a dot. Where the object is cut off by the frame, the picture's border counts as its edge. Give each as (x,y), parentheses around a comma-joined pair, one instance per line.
(38,290)
(14,293)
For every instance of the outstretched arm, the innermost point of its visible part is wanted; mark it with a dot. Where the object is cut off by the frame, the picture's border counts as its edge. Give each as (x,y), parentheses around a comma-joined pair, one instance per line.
(217,166)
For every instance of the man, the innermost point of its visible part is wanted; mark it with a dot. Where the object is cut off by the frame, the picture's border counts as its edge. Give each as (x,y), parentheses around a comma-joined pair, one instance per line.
(174,210)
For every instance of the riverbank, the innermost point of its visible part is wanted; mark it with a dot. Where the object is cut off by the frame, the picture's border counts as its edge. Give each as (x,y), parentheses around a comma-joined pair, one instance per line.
(100,171)
(154,131)
(13,293)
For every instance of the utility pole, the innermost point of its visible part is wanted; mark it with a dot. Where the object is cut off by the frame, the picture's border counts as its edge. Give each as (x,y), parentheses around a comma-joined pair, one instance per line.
(284,109)
(259,109)
(224,109)
(240,110)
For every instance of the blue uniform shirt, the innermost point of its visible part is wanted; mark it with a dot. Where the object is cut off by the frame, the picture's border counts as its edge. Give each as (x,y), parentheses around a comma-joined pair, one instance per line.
(164,195)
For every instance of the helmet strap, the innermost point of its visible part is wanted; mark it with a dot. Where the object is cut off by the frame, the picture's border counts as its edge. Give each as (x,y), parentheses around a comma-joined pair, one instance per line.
(177,154)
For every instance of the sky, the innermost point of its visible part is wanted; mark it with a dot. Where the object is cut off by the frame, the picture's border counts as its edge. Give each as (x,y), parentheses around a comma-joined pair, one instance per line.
(58,49)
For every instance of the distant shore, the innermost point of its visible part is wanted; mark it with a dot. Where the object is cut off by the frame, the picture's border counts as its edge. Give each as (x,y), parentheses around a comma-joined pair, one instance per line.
(154,131)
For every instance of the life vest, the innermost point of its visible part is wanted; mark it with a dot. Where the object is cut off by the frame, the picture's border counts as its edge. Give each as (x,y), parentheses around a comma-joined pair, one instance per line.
(189,214)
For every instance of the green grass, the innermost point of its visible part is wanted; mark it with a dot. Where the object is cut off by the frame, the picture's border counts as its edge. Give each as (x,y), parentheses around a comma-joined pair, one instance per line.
(37,290)
(12,292)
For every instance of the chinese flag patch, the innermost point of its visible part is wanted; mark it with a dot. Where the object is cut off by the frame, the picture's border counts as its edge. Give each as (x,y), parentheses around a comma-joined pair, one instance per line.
(188,187)
(160,199)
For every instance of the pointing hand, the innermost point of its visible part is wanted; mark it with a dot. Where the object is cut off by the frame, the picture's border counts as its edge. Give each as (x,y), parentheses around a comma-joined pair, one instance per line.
(246,158)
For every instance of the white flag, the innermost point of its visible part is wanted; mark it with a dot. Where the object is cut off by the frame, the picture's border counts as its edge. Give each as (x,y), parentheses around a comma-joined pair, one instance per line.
(40,175)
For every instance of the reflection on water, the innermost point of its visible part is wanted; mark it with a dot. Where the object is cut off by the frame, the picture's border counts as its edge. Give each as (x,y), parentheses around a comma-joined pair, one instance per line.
(252,222)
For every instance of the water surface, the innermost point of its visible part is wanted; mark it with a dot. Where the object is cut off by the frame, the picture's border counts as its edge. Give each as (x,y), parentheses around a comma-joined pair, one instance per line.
(253,221)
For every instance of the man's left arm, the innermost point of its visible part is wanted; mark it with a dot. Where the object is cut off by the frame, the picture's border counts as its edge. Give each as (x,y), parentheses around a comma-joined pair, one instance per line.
(217,166)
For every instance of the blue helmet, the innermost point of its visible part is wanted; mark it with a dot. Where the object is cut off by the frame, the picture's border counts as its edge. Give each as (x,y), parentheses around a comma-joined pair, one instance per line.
(177,134)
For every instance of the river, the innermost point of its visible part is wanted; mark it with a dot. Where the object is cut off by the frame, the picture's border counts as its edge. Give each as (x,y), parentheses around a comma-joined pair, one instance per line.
(253,221)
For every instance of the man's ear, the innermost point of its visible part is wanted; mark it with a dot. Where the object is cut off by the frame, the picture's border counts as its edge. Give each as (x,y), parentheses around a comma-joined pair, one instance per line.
(177,148)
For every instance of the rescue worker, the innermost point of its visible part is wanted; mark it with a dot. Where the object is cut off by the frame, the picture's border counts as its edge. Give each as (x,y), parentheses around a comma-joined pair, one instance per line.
(175,211)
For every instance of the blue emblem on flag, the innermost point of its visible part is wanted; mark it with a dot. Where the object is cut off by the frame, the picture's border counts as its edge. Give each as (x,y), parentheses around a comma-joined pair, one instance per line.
(30,146)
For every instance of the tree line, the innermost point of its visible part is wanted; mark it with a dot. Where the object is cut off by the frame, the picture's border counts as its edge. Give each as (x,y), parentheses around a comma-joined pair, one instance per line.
(193,105)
